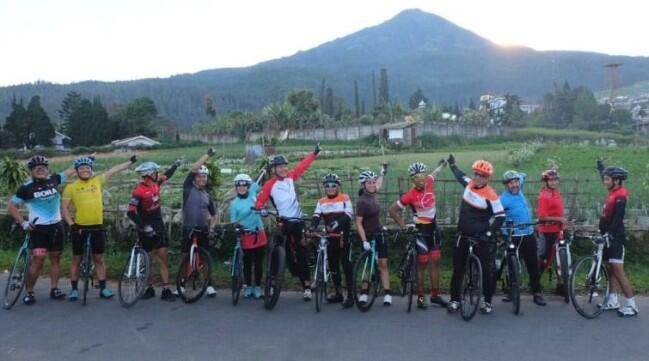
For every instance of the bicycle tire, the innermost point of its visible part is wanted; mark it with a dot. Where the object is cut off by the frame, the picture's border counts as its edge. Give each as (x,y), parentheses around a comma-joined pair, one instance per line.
(237,277)
(320,289)
(132,283)
(362,267)
(513,272)
(198,278)
(17,279)
(412,279)
(471,287)
(585,290)
(565,274)
(85,270)
(275,269)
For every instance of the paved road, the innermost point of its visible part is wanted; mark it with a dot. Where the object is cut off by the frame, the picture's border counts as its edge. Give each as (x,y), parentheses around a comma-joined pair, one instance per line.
(213,329)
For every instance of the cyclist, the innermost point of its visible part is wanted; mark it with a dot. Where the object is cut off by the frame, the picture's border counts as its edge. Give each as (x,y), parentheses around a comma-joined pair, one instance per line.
(144,211)
(517,211)
(369,226)
(336,210)
(199,210)
(86,194)
(549,210)
(43,201)
(280,189)
(421,199)
(612,223)
(480,205)
(253,239)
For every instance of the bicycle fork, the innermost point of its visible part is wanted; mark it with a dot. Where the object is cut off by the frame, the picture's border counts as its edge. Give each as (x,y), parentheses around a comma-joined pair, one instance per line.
(138,265)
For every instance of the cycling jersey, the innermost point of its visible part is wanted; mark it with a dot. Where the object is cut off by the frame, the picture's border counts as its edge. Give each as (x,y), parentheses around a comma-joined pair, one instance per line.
(87,197)
(370,209)
(198,205)
(336,209)
(145,201)
(281,191)
(41,198)
(422,201)
(517,209)
(241,212)
(612,219)
(549,204)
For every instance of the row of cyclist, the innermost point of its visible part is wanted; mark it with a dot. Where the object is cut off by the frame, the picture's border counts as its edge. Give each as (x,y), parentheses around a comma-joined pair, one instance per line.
(482,216)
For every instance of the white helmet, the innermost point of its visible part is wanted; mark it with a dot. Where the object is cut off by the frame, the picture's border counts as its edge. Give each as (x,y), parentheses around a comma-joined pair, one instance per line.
(203,171)
(242,178)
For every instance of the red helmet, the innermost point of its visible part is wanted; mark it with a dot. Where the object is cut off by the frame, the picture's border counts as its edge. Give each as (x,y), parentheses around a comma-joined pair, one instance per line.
(483,167)
(549,174)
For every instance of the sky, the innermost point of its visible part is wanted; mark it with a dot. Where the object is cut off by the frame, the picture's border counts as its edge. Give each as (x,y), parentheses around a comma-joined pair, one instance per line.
(66,41)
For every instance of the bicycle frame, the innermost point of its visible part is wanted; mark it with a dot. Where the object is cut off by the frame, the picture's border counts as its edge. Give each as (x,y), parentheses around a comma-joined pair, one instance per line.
(599,255)
(132,259)
(372,259)
(235,258)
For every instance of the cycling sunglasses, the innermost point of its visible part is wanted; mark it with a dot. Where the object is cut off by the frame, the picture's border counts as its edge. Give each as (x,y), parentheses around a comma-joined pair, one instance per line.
(331,185)
(241,184)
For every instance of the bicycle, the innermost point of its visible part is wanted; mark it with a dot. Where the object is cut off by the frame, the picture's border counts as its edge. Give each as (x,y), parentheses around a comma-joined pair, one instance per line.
(19,271)
(276,261)
(563,263)
(134,279)
(322,274)
(87,265)
(195,271)
(471,286)
(366,274)
(589,286)
(408,269)
(236,264)
(510,259)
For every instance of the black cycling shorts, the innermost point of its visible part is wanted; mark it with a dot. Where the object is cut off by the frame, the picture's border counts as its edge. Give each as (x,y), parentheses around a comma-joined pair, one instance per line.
(49,237)
(156,242)
(97,240)
(614,253)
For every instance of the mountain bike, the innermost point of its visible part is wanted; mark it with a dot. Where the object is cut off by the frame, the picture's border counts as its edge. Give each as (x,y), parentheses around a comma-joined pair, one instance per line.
(408,268)
(87,266)
(19,271)
(471,286)
(195,271)
(134,279)
(589,285)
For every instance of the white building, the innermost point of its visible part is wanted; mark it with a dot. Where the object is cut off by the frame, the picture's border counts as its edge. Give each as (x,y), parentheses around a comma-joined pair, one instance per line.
(134,142)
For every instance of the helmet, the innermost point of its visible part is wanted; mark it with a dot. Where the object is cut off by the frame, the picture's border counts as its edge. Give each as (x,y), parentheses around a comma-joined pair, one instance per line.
(549,174)
(83,161)
(483,167)
(366,175)
(203,171)
(615,173)
(147,168)
(36,161)
(242,178)
(510,175)
(278,160)
(416,168)
(331,178)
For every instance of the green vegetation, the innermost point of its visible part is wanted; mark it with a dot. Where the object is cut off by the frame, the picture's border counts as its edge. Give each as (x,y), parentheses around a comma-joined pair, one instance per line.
(635,89)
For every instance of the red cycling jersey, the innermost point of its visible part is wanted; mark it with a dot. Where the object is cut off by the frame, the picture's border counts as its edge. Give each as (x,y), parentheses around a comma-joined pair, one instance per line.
(146,201)
(549,204)
(422,201)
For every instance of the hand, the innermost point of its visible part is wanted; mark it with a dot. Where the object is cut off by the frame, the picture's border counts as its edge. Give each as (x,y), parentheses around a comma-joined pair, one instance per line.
(451,160)
(133,158)
(212,234)
(442,162)
(263,212)
(409,227)
(148,231)
(600,165)
(74,228)
(384,169)
(178,162)
(317,149)
(332,226)
(26,226)
(366,245)
(210,152)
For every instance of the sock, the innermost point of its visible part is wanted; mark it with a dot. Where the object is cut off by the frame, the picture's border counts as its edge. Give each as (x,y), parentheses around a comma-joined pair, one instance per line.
(75,284)
(102,284)
(434,292)
(612,298)
(631,303)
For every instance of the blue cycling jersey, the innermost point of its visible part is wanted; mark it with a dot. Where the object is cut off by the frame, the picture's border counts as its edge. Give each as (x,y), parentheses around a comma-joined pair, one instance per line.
(517,210)
(41,198)
(241,212)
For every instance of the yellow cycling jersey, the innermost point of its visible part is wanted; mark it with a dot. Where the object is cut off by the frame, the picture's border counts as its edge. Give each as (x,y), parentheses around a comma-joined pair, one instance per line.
(87,199)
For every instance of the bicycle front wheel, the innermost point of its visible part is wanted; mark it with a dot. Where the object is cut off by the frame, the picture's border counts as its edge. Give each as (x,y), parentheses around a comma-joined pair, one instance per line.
(471,288)
(564,268)
(274,277)
(237,276)
(589,287)
(365,284)
(320,289)
(192,279)
(513,275)
(17,279)
(134,279)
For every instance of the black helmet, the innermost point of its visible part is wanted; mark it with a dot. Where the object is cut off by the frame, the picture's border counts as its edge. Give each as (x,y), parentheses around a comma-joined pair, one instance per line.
(331,178)
(278,160)
(36,161)
(616,173)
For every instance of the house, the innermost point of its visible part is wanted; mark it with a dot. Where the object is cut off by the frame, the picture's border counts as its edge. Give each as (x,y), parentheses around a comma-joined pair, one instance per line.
(139,141)
(400,133)
(529,108)
(61,141)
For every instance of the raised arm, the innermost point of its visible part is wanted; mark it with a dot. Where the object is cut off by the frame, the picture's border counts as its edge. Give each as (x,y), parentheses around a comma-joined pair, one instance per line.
(459,175)
(383,173)
(119,168)
(440,165)
(302,167)
(601,167)
(197,164)
(170,172)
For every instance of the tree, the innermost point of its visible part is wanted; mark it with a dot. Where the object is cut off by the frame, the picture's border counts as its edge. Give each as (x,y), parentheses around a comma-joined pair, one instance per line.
(416,98)
(16,123)
(210,109)
(68,106)
(357,105)
(30,126)
(306,107)
(329,103)
(384,89)
(512,113)
(323,90)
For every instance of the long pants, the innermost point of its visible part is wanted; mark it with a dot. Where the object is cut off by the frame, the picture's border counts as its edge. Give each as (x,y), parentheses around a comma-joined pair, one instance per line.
(339,251)
(253,256)
(486,252)
(296,251)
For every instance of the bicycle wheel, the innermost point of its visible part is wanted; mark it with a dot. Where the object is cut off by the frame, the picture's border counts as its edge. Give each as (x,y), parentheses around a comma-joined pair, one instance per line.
(17,279)
(237,276)
(513,276)
(565,273)
(274,276)
(320,289)
(471,288)
(134,278)
(365,281)
(85,272)
(412,280)
(192,279)
(589,287)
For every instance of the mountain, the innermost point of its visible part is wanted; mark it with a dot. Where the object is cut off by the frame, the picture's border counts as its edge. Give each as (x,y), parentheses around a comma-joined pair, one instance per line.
(419,50)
